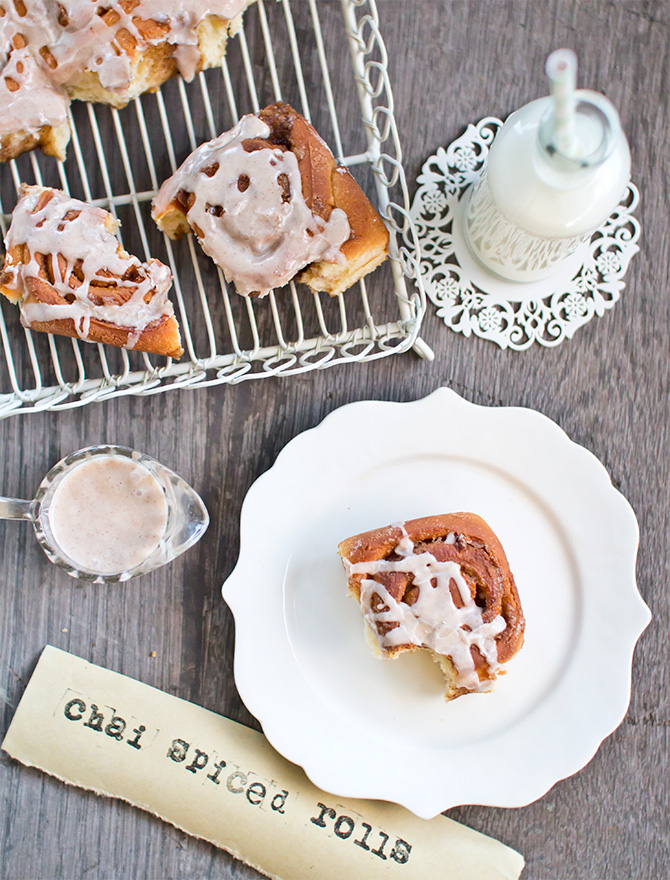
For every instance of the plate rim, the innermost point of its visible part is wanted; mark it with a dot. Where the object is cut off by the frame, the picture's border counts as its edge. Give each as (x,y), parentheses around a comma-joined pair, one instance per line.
(282,733)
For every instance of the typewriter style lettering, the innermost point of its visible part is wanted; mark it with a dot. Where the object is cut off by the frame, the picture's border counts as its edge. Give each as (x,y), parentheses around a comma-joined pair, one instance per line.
(257,792)
(211,770)
(104,720)
(372,840)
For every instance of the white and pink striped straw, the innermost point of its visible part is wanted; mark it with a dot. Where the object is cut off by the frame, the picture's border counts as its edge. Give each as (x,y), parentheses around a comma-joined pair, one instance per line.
(562,72)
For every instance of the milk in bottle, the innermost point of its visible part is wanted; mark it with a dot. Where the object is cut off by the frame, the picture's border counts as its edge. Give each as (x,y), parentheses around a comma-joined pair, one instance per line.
(537,199)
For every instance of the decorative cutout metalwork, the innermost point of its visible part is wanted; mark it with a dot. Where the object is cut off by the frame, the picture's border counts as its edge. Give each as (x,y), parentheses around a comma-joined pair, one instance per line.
(472,301)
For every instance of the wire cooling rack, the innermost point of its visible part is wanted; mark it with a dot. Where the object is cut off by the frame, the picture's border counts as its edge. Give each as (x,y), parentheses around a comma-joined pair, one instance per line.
(291,50)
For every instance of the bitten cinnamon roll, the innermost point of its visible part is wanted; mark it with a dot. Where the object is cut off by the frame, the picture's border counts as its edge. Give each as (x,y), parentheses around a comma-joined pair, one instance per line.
(67,271)
(109,51)
(440,584)
(269,204)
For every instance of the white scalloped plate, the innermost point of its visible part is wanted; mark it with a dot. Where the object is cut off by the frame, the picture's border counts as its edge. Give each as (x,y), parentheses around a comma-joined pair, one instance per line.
(362,727)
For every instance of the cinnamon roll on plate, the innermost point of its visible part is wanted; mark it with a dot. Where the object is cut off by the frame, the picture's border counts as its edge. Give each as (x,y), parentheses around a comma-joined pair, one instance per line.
(440,584)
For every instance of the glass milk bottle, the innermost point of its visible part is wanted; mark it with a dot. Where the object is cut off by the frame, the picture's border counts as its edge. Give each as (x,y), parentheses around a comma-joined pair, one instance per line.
(556,170)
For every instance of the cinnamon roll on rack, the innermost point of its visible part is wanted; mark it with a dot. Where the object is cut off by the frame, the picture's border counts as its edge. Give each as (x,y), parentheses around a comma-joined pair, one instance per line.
(109,51)
(33,112)
(269,204)
(440,584)
(67,271)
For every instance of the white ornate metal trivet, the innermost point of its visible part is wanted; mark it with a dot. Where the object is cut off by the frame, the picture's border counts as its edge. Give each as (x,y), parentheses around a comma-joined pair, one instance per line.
(470,299)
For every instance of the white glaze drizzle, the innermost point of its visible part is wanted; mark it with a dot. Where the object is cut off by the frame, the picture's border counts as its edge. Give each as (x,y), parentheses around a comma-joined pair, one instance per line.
(65,40)
(90,42)
(258,235)
(433,621)
(28,99)
(84,238)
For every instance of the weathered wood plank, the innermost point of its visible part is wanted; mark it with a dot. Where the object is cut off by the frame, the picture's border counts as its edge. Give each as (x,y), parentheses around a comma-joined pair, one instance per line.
(452,63)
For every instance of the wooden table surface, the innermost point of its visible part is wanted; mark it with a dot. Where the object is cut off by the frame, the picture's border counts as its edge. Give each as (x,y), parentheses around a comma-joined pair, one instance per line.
(451,63)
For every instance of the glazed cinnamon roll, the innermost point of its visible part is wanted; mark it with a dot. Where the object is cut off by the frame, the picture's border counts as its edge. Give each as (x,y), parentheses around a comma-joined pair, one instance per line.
(67,271)
(109,51)
(269,204)
(33,112)
(440,584)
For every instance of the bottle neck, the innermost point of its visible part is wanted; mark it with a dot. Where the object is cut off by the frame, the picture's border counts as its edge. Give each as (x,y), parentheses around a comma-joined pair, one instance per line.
(595,131)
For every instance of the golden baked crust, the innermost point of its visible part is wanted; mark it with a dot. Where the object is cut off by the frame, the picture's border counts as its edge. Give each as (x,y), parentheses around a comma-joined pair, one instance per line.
(161,338)
(52,140)
(39,281)
(325,187)
(366,249)
(154,64)
(461,538)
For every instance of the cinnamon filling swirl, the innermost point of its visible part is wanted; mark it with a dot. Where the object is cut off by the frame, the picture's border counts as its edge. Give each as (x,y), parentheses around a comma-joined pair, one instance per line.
(68,272)
(441,584)
(242,195)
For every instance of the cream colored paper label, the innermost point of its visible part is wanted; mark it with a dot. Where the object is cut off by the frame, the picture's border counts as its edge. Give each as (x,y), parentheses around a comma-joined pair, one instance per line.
(223,782)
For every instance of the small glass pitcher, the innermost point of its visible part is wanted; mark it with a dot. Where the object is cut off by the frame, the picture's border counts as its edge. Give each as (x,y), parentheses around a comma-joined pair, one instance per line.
(187,516)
